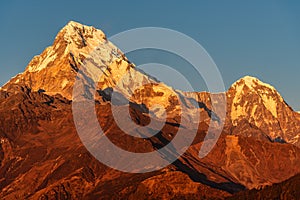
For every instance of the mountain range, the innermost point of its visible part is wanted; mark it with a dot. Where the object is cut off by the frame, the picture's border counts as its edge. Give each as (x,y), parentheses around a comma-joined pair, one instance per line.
(42,157)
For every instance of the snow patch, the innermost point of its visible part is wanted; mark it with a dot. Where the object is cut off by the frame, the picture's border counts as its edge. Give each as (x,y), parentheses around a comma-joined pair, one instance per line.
(236,109)
(64,83)
(266,92)
(50,57)
(253,110)
(252,82)
(270,104)
(16,76)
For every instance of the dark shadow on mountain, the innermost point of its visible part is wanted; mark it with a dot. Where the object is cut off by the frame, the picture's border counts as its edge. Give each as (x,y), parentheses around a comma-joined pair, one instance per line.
(198,104)
(210,113)
(171,154)
(196,176)
(279,140)
(118,99)
(174,124)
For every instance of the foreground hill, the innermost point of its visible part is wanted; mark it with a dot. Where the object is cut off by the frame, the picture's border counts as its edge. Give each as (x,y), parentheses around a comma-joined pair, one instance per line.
(288,189)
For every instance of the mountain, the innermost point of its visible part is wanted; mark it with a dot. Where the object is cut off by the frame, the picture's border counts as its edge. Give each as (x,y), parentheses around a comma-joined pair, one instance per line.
(260,105)
(42,156)
(55,69)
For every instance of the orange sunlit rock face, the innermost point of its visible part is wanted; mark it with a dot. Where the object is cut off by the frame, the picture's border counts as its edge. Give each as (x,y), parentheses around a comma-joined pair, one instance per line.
(42,156)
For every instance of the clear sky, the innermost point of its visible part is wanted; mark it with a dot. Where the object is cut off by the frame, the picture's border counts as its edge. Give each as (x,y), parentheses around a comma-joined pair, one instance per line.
(257,38)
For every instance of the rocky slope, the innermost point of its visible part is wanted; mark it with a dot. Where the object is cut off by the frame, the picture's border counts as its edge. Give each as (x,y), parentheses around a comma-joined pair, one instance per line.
(42,156)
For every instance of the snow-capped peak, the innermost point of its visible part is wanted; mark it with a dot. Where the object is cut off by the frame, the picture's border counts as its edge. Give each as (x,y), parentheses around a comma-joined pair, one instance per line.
(74,38)
(73,24)
(252,83)
(54,70)
(78,33)
(261,105)
(249,92)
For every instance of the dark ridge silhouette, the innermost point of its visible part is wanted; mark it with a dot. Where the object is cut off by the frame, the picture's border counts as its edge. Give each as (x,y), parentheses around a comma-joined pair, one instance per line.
(119,99)
(289,189)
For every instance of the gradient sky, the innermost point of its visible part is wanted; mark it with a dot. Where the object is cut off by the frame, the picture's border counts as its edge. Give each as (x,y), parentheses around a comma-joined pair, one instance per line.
(257,38)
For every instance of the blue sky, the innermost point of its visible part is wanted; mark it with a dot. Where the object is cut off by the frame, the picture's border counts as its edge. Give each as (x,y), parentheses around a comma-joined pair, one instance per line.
(257,38)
